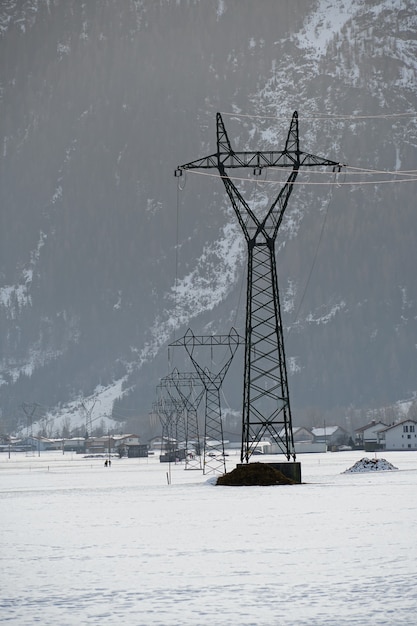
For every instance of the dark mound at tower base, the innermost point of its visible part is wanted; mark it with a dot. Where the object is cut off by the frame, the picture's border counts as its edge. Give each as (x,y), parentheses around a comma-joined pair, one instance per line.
(255,474)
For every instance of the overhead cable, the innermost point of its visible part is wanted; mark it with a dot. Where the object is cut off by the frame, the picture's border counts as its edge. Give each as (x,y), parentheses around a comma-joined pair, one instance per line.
(331,183)
(326,117)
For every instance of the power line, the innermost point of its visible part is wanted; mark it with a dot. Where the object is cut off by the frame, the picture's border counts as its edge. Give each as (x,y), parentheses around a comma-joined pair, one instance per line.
(329,183)
(359,170)
(314,258)
(326,117)
(364,170)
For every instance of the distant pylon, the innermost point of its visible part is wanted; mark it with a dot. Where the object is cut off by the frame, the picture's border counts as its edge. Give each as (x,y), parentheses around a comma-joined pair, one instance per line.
(88,419)
(213,451)
(182,386)
(170,413)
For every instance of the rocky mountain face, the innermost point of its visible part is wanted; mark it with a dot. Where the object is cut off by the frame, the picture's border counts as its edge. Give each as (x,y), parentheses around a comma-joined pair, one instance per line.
(106,257)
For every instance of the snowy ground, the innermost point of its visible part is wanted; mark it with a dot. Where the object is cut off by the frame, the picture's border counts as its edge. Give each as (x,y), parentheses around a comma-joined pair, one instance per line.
(82,544)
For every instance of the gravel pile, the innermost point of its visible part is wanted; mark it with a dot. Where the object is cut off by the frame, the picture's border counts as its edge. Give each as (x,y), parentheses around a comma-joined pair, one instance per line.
(370,465)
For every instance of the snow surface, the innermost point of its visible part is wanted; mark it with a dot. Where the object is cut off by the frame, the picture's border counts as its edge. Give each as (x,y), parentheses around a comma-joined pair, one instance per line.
(84,544)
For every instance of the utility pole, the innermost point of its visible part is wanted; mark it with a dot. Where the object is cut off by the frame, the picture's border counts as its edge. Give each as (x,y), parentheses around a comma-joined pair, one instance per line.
(266,402)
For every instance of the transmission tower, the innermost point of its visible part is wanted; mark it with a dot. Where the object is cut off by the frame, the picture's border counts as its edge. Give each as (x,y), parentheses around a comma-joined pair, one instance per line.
(88,411)
(170,413)
(266,403)
(184,385)
(29,410)
(213,454)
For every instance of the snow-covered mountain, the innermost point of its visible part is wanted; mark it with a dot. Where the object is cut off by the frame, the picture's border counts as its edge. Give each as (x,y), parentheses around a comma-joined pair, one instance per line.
(105,258)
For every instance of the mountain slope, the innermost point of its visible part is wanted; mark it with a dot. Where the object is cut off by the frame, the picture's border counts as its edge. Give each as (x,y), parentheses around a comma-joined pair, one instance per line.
(104,260)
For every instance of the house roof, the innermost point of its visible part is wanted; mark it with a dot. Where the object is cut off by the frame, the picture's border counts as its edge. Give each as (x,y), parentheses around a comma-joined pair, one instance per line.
(370,425)
(127,436)
(406,421)
(104,439)
(297,429)
(326,432)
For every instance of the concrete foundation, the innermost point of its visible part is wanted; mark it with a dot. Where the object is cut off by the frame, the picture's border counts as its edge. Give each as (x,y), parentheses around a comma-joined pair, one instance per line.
(290,469)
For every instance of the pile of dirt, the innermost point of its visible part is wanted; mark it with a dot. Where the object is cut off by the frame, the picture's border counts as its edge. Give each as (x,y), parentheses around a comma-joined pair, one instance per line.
(370,465)
(254,474)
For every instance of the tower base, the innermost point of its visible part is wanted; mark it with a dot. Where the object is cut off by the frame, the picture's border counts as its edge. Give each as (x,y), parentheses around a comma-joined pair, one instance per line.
(290,469)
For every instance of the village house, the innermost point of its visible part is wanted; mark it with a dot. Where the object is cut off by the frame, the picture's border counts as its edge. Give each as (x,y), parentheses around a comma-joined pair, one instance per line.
(130,446)
(111,444)
(304,441)
(400,436)
(367,436)
(34,443)
(301,434)
(156,444)
(331,436)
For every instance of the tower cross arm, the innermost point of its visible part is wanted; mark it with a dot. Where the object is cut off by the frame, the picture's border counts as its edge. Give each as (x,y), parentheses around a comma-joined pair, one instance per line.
(204,163)
(312,160)
(259,160)
(233,338)
(235,160)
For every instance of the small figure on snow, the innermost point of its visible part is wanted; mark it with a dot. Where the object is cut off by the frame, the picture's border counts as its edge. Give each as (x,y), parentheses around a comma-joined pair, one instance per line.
(105,463)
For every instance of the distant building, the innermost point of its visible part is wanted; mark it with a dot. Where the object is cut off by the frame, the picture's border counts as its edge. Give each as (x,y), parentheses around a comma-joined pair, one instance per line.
(156,444)
(367,436)
(135,451)
(130,446)
(302,434)
(74,444)
(330,435)
(400,436)
(111,443)
(34,443)
(99,445)
(303,442)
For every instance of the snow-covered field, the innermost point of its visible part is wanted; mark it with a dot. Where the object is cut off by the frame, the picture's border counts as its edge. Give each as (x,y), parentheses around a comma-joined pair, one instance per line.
(83,544)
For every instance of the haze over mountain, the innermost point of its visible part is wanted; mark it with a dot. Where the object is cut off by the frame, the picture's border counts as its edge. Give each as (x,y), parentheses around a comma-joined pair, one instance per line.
(106,257)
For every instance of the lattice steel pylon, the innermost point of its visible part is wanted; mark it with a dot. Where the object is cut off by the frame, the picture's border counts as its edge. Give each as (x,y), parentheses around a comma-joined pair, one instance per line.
(29,410)
(266,402)
(184,385)
(213,453)
(171,416)
(88,411)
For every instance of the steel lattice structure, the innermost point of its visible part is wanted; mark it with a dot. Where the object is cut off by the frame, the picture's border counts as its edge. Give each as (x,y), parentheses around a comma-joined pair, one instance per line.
(171,416)
(213,452)
(266,403)
(88,419)
(185,385)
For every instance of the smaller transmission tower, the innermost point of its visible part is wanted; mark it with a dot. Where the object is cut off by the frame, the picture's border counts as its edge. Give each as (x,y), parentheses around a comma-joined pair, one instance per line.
(213,454)
(88,411)
(29,410)
(167,413)
(184,385)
